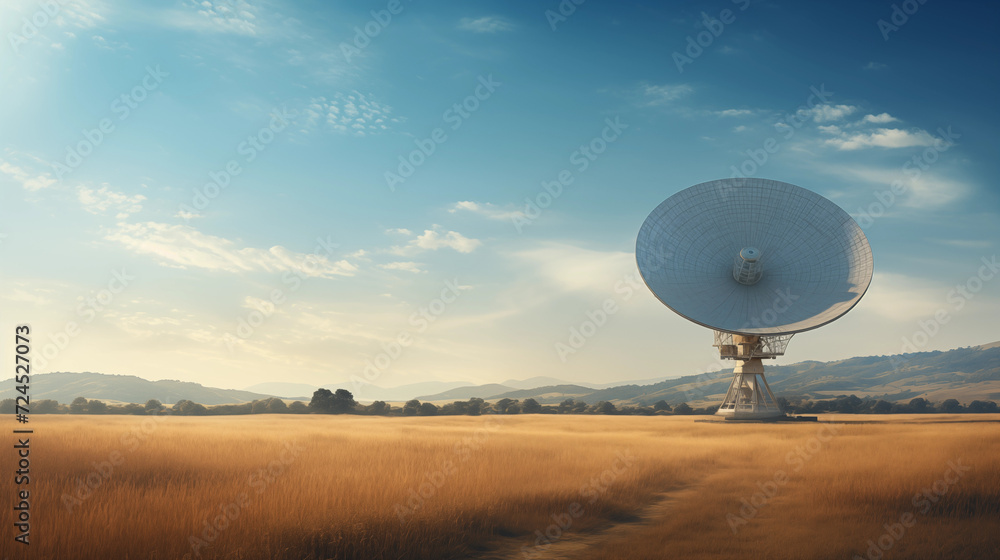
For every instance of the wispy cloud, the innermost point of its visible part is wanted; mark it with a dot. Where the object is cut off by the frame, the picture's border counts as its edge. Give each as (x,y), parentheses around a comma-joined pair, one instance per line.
(405,266)
(182,246)
(28,180)
(930,189)
(187,215)
(875,66)
(353,113)
(434,239)
(26,294)
(103,199)
(486,24)
(883,138)
(491,211)
(826,112)
(83,14)
(881,118)
(110,44)
(576,269)
(734,113)
(226,16)
(663,94)
(902,297)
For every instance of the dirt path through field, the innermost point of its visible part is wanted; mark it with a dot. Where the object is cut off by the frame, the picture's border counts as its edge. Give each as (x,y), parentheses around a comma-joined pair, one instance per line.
(572,544)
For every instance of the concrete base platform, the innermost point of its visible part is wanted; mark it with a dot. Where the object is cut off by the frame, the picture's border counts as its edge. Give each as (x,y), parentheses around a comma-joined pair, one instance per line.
(783,419)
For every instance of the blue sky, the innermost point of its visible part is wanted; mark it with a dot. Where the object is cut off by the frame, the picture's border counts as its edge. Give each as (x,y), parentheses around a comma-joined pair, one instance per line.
(244,215)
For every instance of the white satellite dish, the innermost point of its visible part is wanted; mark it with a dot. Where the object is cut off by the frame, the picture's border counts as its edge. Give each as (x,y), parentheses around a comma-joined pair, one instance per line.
(756,261)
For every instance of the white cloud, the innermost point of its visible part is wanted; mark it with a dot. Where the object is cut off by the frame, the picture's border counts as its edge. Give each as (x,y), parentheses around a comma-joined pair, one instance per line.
(826,113)
(185,215)
(103,199)
(903,298)
(110,44)
(487,24)
(17,294)
(352,113)
(740,128)
(146,318)
(734,113)
(883,138)
(881,118)
(227,16)
(433,240)
(929,190)
(875,66)
(28,180)
(661,95)
(182,246)
(572,268)
(83,14)
(485,209)
(405,266)
(829,129)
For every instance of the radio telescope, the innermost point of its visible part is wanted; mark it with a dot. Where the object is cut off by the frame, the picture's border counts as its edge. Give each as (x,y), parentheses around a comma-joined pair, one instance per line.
(757,261)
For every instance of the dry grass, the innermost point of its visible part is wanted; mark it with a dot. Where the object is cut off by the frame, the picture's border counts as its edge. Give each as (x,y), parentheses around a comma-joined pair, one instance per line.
(337,494)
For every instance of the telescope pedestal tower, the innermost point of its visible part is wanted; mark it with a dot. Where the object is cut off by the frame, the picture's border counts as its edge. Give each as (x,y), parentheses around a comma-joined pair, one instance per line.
(749,397)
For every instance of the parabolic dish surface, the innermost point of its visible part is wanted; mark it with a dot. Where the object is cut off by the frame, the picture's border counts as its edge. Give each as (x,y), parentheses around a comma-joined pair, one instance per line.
(816,261)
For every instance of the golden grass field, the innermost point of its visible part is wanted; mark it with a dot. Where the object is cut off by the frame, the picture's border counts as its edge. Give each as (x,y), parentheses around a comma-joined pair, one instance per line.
(643,487)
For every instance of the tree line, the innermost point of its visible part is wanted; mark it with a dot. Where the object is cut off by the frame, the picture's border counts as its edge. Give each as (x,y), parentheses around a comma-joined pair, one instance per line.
(852,404)
(342,401)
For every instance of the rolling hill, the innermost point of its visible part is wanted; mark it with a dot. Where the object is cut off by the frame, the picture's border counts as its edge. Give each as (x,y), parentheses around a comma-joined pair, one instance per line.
(64,387)
(966,374)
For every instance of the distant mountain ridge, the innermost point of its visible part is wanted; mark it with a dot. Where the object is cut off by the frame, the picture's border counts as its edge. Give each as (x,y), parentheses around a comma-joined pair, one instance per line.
(65,386)
(966,374)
